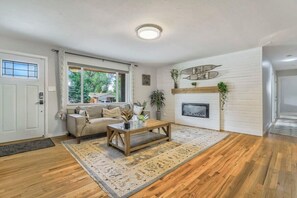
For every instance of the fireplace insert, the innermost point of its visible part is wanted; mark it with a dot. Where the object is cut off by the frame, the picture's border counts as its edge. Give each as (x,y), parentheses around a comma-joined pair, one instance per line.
(199,110)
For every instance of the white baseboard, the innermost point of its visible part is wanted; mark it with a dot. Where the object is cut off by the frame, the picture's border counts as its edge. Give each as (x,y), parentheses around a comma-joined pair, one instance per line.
(267,127)
(57,134)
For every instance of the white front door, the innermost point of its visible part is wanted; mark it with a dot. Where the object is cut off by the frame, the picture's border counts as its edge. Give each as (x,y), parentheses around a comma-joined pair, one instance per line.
(21,97)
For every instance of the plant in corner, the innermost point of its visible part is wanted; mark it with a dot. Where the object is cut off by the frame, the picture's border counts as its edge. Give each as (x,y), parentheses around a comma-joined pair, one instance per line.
(157,99)
(174,75)
(223,89)
(127,116)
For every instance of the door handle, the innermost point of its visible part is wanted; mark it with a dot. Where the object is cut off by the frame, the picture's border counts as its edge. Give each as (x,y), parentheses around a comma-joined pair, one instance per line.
(40,96)
(40,102)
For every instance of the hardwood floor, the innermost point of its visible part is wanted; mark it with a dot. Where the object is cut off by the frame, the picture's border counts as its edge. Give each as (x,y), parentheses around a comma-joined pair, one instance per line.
(239,166)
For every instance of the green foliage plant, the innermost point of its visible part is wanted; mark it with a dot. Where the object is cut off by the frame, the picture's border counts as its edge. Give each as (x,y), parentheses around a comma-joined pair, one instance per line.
(223,89)
(94,82)
(174,75)
(157,99)
(127,115)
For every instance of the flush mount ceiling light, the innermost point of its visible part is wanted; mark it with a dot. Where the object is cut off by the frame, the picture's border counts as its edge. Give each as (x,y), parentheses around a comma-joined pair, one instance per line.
(149,31)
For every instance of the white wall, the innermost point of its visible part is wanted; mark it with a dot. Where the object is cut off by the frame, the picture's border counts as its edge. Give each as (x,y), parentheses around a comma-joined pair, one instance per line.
(165,83)
(288,94)
(142,93)
(56,126)
(242,71)
(289,72)
(268,83)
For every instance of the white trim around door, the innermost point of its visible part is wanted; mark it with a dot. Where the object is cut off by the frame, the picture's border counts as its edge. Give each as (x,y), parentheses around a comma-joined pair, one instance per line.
(45,59)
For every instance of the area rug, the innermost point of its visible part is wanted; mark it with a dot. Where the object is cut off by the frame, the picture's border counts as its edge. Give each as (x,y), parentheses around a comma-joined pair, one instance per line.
(122,176)
(22,147)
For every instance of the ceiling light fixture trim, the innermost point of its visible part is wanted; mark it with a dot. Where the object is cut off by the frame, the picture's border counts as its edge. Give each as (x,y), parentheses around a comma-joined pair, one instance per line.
(149,31)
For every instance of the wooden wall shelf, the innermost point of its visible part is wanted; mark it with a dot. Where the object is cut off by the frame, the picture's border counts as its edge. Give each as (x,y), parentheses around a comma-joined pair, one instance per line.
(213,89)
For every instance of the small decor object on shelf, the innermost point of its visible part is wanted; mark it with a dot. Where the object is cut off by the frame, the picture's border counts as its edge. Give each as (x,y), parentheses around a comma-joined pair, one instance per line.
(127,116)
(157,99)
(146,80)
(174,75)
(223,89)
(194,84)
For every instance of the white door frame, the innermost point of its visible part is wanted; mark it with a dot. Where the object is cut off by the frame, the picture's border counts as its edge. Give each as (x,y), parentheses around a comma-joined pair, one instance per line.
(274,96)
(45,59)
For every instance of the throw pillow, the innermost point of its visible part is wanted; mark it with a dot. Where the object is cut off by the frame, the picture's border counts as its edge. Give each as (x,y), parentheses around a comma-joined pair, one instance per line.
(112,113)
(77,109)
(123,106)
(137,110)
(82,112)
(86,114)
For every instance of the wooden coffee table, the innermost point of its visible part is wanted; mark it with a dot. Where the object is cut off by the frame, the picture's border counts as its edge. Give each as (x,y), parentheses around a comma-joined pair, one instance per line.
(138,136)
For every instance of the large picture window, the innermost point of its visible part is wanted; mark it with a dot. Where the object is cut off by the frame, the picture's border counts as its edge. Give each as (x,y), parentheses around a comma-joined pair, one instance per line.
(92,85)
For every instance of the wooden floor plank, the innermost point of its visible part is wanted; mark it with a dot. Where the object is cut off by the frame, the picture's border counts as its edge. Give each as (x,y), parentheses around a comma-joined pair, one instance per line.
(239,166)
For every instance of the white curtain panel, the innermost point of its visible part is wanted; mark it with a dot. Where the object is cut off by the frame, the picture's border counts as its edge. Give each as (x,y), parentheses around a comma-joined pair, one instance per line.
(131,84)
(62,84)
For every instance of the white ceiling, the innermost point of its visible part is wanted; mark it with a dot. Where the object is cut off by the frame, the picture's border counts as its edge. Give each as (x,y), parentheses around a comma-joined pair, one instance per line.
(277,54)
(191,28)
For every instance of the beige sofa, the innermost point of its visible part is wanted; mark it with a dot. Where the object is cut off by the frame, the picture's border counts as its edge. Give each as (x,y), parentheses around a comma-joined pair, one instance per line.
(79,125)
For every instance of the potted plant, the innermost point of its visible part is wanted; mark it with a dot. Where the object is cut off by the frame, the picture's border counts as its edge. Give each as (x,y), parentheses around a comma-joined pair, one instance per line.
(223,89)
(174,75)
(194,84)
(127,116)
(143,118)
(143,105)
(157,99)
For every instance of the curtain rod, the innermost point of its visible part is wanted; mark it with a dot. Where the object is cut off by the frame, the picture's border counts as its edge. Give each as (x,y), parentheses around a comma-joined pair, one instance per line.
(88,56)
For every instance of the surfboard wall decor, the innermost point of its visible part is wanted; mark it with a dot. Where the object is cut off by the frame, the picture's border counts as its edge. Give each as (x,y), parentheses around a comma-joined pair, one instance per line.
(202,72)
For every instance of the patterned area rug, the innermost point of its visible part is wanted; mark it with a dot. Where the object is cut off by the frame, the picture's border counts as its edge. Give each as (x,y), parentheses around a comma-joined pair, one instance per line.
(122,176)
(22,147)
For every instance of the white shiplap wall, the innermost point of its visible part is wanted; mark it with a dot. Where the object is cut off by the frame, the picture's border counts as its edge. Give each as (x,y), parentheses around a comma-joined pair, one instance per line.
(242,71)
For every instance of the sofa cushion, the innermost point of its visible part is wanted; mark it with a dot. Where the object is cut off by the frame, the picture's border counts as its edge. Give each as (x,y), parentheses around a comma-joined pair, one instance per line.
(123,106)
(85,114)
(94,111)
(99,125)
(106,121)
(112,113)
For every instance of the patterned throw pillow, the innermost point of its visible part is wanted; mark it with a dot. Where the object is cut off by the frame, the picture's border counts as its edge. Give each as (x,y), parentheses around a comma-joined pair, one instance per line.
(112,113)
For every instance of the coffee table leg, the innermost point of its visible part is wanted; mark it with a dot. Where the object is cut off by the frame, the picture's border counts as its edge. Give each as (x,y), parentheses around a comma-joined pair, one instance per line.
(169,132)
(127,144)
